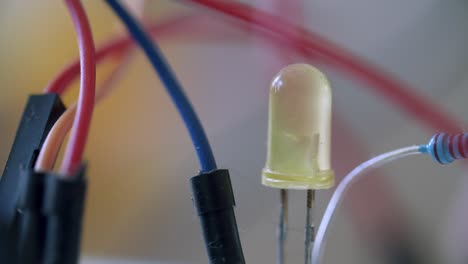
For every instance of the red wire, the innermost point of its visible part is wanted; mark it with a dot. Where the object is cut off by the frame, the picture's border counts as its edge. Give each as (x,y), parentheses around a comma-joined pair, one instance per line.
(310,45)
(85,105)
(113,47)
(67,75)
(313,45)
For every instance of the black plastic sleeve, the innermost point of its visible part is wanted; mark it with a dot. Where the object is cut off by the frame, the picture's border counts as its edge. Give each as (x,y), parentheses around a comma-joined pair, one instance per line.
(40,114)
(63,207)
(50,218)
(214,201)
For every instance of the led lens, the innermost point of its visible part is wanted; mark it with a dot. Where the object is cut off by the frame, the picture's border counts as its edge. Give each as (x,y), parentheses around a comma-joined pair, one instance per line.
(298,155)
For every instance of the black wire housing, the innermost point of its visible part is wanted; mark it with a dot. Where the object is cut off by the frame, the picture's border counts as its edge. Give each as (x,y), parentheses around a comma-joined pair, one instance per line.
(40,213)
(214,201)
(40,114)
(50,214)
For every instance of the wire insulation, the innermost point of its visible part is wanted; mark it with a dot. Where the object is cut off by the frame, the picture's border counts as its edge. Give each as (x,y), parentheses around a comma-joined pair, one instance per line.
(183,105)
(113,47)
(55,138)
(315,46)
(434,119)
(80,130)
(344,186)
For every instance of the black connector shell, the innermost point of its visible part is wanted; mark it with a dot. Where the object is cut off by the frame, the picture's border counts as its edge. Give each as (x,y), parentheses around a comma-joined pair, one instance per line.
(40,213)
(40,114)
(51,211)
(214,201)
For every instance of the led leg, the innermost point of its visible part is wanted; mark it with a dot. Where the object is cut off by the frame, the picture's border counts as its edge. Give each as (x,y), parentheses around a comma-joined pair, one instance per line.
(309,226)
(282,226)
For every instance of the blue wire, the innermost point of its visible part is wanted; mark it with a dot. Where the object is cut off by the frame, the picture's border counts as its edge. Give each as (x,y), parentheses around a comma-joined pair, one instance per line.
(182,103)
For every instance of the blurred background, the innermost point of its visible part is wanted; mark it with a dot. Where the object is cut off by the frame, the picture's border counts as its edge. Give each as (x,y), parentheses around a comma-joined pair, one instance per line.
(141,158)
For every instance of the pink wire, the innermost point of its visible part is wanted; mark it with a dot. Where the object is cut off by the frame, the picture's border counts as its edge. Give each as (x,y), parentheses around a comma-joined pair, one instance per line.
(85,105)
(111,48)
(311,44)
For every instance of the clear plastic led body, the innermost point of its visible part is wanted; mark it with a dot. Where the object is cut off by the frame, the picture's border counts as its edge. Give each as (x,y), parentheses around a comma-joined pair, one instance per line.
(299,130)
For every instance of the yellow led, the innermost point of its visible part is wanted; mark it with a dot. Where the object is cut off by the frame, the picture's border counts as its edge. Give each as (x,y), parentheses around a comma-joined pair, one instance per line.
(299,130)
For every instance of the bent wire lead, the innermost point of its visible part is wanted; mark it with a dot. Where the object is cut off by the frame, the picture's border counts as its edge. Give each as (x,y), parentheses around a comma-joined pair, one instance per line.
(343,187)
(172,85)
(212,192)
(443,148)
(78,136)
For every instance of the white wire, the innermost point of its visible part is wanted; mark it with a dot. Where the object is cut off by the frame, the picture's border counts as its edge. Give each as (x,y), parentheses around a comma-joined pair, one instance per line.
(344,186)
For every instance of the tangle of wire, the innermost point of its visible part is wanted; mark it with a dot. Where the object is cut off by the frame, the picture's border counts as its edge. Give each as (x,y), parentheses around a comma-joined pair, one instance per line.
(309,46)
(443,148)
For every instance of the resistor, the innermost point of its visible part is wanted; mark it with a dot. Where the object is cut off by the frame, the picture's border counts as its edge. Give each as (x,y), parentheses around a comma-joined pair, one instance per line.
(445,148)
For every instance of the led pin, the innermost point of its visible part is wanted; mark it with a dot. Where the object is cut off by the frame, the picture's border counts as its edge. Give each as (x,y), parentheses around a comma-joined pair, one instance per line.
(299,130)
